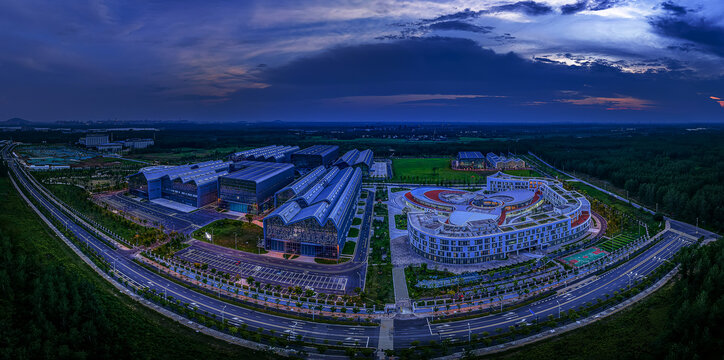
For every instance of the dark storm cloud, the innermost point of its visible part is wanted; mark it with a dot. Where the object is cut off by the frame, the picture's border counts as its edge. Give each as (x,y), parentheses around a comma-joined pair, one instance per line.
(705,33)
(460,26)
(673,8)
(527,7)
(531,8)
(602,4)
(574,8)
(459,66)
(592,5)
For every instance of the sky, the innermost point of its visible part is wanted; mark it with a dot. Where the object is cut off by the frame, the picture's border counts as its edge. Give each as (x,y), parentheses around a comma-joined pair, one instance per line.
(376,60)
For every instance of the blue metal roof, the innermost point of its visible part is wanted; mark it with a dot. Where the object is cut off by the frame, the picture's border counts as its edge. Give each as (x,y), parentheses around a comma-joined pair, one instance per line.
(327,200)
(470,155)
(257,171)
(318,150)
(266,153)
(355,157)
(198,173)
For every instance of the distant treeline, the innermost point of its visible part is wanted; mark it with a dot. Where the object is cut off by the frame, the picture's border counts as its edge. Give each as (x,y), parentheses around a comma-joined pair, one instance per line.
(680,170)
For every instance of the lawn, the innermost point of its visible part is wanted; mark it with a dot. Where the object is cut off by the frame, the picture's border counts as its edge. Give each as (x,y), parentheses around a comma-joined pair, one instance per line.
(356,221)
(348,248)
(438,171)
(113,325)
(78,199)
(431,171)
(381,194)
(226,230)
(378,285)
(401,221)
(353,232)
(380,241)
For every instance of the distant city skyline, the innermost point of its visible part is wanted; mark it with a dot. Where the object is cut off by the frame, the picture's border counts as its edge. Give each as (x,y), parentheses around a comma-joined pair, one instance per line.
(488,61)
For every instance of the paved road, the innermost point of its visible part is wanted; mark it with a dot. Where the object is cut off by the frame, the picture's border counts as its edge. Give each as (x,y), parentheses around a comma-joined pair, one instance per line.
(407,331)
(123,263)
(404,331)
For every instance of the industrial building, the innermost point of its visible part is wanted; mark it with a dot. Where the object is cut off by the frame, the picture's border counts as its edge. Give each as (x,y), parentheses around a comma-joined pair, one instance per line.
(315,222)
(469,160)
(137,143)
(355,158)
(521,214)
(114,147)
(93,140)
(271,153)
(500,162)
(313,156)
(194,185)
(251,186)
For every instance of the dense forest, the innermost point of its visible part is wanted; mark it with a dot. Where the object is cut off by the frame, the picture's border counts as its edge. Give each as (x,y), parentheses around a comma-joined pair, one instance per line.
(53,306)
(680,172)
(697,311)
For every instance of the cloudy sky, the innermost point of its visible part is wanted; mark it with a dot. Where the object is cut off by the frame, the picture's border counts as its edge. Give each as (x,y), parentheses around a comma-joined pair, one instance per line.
(323,60)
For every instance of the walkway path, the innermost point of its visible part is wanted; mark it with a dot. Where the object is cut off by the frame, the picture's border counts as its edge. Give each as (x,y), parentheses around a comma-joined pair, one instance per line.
(402,298)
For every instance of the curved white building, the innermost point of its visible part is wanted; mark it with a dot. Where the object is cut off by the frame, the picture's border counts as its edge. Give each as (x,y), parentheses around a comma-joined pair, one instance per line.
(514,214)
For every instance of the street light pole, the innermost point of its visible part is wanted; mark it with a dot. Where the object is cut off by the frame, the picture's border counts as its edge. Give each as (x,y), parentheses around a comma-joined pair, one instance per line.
(222,314)
(559,308)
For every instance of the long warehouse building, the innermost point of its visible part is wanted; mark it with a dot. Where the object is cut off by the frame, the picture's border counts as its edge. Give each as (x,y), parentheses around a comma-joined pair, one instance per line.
(314,156)
(271,153)
(315,222)
(251,187)
(194,185)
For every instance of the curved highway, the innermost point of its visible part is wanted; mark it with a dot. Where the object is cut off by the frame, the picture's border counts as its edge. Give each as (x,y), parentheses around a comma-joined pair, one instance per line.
(405,331)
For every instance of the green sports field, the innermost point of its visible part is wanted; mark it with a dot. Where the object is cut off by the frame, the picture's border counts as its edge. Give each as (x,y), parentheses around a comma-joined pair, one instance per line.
(618,242)
(584,257)
(437,170)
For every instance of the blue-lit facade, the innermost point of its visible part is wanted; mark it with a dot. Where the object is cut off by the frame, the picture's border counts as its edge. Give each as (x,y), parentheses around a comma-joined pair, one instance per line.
(355,158)
(470,160)
(515,214)
(250,188)
(316,220)
(194,185)
(314,156)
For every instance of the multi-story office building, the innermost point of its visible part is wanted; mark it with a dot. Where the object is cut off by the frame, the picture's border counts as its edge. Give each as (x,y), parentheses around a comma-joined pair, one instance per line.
(522,214)
(93,140)
(137,143)
(251,186)
(315,221)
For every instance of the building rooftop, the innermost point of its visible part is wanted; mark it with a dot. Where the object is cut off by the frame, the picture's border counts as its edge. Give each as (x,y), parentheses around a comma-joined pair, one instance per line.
(199,173)
(325,200)
(468,155)
(355,157)
(257,171)
(266,153)
(321,150)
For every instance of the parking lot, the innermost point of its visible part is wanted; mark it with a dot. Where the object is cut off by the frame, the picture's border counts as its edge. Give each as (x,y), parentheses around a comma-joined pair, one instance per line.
(266,274)
(155,214)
